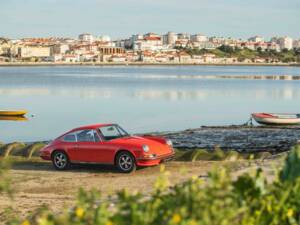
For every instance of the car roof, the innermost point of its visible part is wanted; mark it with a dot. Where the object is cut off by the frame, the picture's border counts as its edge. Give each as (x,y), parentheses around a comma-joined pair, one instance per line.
(93,126)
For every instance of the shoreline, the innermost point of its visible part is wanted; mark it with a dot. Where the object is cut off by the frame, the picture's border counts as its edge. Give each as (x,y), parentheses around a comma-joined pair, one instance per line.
(24,64)
(243,139)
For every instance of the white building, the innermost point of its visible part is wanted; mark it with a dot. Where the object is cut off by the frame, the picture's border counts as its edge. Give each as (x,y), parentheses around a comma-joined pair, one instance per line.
(86,37)
(104,38)
(149,42)
(60,48)
(285,43)
(70,58)
(171,38)
(296,43)
(256,39)
(183,36)
(199,38)
(34,51)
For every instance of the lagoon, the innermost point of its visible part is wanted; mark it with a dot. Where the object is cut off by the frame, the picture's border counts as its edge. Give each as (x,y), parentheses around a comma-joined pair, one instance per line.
(139,98)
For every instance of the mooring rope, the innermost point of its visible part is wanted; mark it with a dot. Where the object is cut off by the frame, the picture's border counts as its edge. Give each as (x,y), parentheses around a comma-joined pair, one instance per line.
(249,122)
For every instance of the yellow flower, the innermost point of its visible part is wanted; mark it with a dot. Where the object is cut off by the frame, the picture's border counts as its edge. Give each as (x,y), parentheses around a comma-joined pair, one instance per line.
(79,212)
(290,213)
(109,223)
(26,222)
(176,218)
(193,222)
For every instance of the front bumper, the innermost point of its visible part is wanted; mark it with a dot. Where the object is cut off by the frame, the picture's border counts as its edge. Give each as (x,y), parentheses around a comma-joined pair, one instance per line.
(155,160)
(45,155)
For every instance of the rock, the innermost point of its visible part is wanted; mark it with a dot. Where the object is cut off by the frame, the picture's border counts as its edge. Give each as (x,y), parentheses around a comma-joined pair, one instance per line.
(238,138)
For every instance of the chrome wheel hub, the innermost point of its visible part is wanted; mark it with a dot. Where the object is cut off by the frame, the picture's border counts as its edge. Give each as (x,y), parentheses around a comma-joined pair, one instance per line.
(125,162)
(60,160)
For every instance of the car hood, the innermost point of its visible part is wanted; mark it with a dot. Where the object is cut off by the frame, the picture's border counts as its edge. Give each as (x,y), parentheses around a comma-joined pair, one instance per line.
(137,141)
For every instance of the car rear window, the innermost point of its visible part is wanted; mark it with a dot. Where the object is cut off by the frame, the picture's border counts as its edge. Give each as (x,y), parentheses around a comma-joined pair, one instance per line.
(85,136)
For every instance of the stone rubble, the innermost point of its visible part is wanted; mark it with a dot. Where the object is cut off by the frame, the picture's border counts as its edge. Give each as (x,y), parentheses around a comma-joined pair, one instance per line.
(239,138)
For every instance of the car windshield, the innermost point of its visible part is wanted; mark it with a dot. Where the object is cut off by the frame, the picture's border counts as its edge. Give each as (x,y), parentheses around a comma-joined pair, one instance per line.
(112,132)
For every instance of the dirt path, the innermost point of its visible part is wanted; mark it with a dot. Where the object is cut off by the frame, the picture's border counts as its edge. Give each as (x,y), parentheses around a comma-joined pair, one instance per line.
(37,183)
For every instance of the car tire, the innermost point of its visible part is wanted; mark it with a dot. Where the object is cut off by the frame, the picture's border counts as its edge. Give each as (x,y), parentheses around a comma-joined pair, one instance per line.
(60,160)
(125,162)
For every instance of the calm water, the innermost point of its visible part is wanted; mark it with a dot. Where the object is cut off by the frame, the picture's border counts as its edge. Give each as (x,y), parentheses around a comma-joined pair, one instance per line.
(141,99)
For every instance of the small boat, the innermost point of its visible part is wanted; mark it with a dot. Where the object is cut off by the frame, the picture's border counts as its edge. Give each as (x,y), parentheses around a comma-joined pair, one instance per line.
(276,118)
(12,112)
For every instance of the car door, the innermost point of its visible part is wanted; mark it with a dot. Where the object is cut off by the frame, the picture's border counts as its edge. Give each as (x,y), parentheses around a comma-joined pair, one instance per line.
(71,146)
(91,148)
(105,151)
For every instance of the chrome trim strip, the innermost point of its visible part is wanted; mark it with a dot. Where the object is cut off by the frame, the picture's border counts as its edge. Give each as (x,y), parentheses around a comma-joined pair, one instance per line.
(94,163)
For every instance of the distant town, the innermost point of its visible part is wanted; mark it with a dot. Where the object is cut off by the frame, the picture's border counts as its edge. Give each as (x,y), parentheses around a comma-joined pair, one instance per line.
(169,48)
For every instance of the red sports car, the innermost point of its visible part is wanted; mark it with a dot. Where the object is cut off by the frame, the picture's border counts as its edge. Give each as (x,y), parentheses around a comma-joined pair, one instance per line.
(107,144)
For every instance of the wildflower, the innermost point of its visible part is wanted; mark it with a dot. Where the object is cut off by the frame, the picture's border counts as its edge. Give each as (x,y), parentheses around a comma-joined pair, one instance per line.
(193,222)
(79,212)
(176,218)
(290,213)
(109,223)
(26,222)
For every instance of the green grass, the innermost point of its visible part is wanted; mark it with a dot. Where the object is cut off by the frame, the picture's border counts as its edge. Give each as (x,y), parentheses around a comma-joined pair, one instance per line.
(217,155)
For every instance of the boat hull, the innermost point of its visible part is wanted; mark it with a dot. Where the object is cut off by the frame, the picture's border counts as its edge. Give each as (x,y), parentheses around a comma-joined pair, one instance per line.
(12,112)
(273,119)
(13,118)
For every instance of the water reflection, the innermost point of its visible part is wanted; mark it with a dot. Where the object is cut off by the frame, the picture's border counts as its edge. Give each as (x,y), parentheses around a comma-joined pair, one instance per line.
(13,118)
(289,92)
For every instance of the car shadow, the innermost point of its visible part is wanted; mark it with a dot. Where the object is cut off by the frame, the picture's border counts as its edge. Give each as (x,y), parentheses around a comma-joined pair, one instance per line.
(47,166)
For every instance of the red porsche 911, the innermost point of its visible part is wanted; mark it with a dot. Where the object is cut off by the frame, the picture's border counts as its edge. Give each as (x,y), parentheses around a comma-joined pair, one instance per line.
(107,144)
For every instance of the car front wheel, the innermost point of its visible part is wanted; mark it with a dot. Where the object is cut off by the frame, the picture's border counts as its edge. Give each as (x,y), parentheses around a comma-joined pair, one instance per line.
(126,162)
(60,160)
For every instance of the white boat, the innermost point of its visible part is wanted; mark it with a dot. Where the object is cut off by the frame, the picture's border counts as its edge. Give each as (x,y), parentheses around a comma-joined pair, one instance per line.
(276,118)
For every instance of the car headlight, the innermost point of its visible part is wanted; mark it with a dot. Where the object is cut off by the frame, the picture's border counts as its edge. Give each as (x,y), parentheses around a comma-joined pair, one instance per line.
(145,148)
(169,142)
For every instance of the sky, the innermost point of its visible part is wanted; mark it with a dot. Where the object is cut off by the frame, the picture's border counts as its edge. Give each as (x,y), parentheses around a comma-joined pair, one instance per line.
(121,18)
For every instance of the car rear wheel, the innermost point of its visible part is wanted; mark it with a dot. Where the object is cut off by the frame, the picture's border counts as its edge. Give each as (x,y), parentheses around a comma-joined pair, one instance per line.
(125,162)
(60,160)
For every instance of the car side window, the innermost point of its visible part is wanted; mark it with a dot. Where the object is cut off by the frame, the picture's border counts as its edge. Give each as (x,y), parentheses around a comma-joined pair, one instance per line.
(85,136)
(70,137)
(109,132)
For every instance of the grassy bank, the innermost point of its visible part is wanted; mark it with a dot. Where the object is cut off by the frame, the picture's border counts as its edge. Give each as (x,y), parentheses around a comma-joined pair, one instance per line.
(32,151)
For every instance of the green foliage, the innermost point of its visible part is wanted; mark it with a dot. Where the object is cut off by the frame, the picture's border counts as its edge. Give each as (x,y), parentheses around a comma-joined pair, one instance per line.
(4,179)
(285,55)
(291,169)
(217,155)
(221,200)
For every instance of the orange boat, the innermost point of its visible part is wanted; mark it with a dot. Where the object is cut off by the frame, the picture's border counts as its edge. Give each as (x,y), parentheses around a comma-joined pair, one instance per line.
(276,118)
